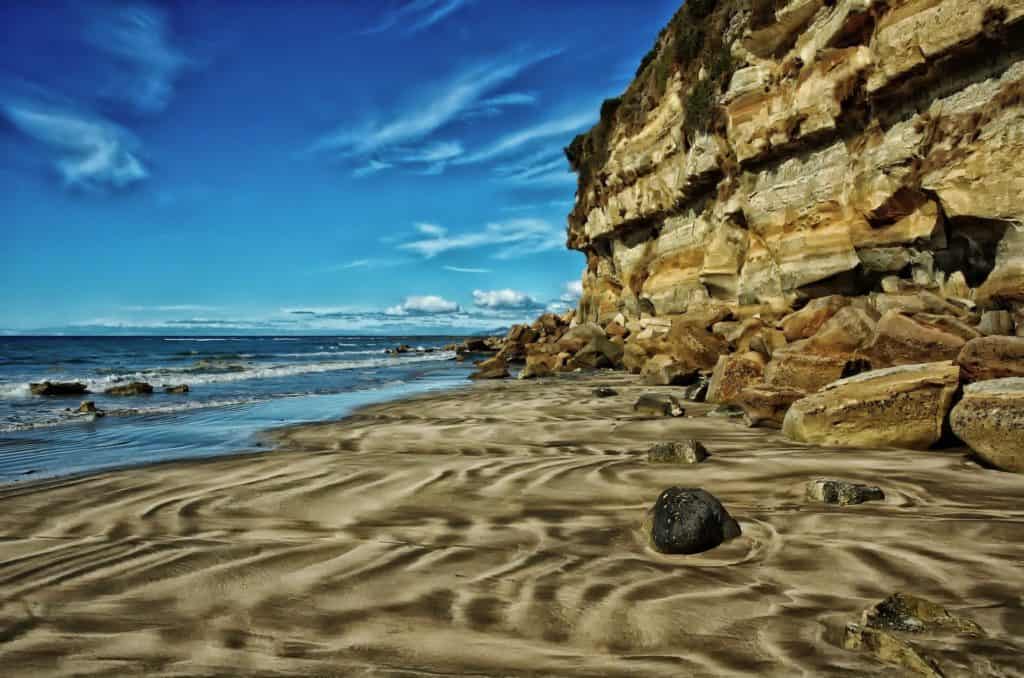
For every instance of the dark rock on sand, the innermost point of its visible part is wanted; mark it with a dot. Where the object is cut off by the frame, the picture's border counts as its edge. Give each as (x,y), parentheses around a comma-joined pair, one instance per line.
(890,649)
(842,492)
(698,391)
(688,520)
(726,412)
(180,388)
(58,388)
(604,392)
(685,452)
(906,612)
(130,389)
(658,405)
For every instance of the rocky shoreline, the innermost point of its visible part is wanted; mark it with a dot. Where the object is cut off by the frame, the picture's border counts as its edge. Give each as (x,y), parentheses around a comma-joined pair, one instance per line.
(836,372)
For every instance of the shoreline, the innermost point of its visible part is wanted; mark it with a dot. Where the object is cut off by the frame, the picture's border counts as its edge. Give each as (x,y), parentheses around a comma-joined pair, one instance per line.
(495,529)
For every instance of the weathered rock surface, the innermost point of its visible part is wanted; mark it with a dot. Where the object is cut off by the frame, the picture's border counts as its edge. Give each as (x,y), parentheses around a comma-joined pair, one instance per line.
(130,389)
(658,405)
(664,370)
(732,374)
(992,358)
(842,492)
(911,614)
(687,521)
(492,368)
(812,155)
(765,405)
(896,407)
(891,649)
(58,388)
(604,392)
(990,419)
(684,452)
(89,407)
(178,389)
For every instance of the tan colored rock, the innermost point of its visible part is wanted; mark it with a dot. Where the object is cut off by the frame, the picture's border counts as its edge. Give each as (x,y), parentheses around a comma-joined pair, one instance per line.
(890,649)
(804,323)
(992,358)
(996,323)
(765,405)
(732,374)
(804,371)
(990,419)
(901,406)
(900,340)
(664,370)
(848,331)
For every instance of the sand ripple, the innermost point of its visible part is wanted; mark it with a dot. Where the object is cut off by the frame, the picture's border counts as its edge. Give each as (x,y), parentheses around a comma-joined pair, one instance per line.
(498,535)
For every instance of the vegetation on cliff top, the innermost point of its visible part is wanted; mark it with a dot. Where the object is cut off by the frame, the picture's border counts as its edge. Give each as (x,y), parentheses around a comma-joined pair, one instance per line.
(695,39)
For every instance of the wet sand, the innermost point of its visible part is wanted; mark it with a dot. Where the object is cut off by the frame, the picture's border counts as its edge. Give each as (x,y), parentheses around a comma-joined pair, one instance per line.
(495,531)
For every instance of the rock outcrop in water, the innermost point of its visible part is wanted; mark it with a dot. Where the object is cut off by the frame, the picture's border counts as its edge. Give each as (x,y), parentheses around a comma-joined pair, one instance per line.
(795,194)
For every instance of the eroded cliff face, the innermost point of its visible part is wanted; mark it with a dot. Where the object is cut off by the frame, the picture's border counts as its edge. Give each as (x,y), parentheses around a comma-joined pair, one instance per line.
(771,152)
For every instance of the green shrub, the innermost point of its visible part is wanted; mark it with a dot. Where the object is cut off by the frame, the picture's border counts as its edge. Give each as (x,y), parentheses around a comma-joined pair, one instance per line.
(700,104)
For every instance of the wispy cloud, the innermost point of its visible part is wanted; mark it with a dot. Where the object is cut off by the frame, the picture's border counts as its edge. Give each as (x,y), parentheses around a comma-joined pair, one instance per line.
(426,305)
(494,106)
(514,238)
(460,269)
(505,299)
(573,291)
(516,140)
(93,153)
(417,15)
(399,138)
(147,64)
(170,308)
(548,166)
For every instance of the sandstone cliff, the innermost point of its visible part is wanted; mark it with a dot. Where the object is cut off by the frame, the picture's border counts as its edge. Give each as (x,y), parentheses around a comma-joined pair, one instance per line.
(770,152)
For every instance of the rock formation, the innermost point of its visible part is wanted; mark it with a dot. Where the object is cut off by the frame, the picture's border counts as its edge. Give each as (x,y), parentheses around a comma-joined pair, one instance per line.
(818,205)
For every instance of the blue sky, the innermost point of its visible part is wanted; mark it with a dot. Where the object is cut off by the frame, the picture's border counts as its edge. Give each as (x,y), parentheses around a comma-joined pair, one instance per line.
(344,167)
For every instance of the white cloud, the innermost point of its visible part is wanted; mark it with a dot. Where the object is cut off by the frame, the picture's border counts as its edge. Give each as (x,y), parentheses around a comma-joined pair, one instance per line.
(429,304)
(573,291)
(516,237)
(514,141)
(505,299)
(460,269)
(170,308)
(138,37)
(394,140)
(95,153)
(431,229)
(417,15)
(371,167)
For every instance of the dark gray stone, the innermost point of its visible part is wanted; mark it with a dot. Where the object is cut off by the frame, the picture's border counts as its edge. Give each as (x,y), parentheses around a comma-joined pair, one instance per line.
(685,452)
(131,389)
(58,388)
(604,392)
(688,520)
(658,405)
(842,492)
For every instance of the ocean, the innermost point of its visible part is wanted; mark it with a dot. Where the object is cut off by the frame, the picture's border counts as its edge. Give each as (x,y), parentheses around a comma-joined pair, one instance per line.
(238,387)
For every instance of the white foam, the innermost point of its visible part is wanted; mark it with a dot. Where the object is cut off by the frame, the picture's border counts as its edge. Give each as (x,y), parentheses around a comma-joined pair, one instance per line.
(173,376)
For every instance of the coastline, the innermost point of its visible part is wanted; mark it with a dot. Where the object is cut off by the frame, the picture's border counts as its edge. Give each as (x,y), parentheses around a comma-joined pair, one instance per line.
(494,529)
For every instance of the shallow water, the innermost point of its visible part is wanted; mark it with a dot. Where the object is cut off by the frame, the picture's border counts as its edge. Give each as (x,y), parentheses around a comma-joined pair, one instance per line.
(238,387)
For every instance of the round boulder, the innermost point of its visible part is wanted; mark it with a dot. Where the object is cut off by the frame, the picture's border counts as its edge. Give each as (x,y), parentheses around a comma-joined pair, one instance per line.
(688,520)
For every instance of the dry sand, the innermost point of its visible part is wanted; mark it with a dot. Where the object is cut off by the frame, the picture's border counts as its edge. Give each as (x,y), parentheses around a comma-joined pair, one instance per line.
(494,531)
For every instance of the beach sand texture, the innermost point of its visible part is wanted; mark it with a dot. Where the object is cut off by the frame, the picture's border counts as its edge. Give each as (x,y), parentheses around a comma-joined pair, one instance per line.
(495,531)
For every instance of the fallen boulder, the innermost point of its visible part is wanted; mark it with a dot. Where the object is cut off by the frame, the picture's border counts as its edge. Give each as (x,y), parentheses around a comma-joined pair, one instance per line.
(658,405)
(803,371)
(996,323)
(688,520)
(990,419)
(494,368)
(732,374)
(992,358)
(896,407)
(130,389)
(765,405)
(58,388)
(890,649)
(808,320)
(685,452)
(842,492)
(180,388)
(900,340)
(664,370)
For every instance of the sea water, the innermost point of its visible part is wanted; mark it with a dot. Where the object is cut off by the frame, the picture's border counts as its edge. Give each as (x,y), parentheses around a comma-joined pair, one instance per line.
(238,387)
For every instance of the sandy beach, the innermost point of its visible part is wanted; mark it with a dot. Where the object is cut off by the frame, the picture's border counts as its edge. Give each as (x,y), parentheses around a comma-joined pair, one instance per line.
(494,530)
